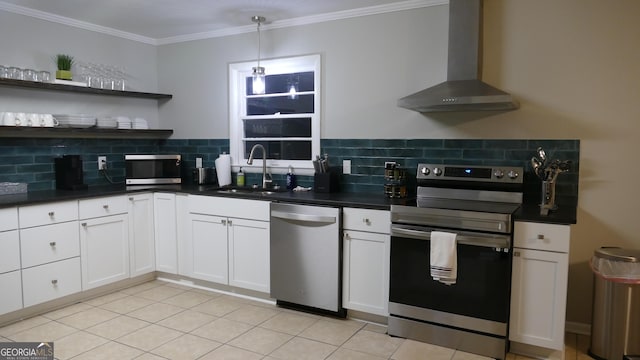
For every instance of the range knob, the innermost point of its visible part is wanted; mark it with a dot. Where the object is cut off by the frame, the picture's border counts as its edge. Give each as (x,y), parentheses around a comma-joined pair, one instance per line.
(437,171)
(425,170)
(498,174)
(513,174)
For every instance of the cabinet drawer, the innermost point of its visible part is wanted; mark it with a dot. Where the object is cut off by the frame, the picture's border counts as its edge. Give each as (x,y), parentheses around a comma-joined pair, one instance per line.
(104,206)
(237,208)
(45,244)
(8,219)
(46,214)
(538,236)
(366,220)
(50,281)
(11,285)
(9,251)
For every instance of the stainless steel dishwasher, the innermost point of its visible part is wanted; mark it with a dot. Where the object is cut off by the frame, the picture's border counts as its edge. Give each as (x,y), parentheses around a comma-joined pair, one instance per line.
(306,257)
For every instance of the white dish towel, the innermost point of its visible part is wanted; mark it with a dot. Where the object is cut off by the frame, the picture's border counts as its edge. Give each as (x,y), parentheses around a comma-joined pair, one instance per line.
(444,257)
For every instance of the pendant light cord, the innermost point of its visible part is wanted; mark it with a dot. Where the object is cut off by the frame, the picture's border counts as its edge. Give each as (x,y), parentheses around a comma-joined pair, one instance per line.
(259,22)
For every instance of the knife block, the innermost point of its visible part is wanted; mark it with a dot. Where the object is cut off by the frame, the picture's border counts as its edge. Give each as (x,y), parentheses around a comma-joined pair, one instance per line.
(326,182)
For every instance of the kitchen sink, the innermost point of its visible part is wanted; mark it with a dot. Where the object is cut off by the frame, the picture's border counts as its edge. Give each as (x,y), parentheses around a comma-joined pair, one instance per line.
(249,190)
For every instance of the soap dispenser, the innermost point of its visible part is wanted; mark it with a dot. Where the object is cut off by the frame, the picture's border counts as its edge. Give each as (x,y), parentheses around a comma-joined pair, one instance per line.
(291,179)
(240,178)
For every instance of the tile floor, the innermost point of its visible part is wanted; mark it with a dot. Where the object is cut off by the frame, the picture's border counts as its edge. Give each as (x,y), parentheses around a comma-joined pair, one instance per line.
(161,320)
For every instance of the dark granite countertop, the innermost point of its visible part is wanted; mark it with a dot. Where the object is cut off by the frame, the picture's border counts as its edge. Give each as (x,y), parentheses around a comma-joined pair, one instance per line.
(530,211)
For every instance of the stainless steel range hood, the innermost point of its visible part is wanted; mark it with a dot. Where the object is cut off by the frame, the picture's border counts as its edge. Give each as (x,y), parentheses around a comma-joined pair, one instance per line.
(463,90)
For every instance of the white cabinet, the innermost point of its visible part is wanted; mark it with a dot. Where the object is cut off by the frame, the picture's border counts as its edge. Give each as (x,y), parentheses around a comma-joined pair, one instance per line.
(11,285)
(228,241)
(539,284)
(207,241)
(50,281)
(10,274)
(165,226)
(49,243)
(142,249)
(249,254)
(366,251)
(104,241)
(49,251)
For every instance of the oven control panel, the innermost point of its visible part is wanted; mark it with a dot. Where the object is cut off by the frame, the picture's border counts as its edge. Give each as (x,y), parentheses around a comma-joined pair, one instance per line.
(495,174)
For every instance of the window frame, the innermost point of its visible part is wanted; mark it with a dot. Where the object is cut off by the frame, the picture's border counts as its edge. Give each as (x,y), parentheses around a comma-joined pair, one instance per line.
(238,105)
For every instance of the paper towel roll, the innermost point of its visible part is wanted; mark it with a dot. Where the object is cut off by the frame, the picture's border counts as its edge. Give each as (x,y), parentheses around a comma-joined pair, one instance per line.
(223,169)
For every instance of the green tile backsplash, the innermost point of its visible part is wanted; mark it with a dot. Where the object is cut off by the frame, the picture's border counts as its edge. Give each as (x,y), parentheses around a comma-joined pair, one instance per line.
(31,160)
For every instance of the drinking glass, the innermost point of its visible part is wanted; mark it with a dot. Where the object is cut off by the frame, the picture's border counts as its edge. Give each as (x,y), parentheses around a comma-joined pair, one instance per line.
(45,76)
(29,75)
(16,73)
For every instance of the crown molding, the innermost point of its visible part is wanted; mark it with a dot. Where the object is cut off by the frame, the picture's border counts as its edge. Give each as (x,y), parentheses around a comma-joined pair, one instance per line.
(74,23)
(305,20)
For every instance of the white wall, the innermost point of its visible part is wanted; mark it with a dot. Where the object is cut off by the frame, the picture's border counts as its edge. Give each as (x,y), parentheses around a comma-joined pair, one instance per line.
(31,43)
(368,63)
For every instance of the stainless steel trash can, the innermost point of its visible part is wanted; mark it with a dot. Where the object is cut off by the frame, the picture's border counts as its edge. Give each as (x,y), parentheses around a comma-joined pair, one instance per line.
(615,328)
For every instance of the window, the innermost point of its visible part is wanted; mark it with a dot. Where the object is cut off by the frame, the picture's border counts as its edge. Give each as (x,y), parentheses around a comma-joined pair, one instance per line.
(285,119)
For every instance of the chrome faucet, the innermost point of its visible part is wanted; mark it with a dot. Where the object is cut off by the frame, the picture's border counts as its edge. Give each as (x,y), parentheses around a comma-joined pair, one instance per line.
(265,181)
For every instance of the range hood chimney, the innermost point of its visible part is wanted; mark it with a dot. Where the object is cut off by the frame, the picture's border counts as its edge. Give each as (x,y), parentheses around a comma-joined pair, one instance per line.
(463,90)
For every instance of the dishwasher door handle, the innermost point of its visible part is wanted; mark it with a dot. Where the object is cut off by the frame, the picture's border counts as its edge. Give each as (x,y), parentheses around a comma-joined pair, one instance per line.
(303,217)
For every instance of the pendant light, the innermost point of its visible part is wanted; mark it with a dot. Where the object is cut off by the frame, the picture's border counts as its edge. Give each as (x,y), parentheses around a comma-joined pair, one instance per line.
(258,71)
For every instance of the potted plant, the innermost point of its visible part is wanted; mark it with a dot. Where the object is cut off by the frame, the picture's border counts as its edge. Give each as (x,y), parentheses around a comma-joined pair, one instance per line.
(64,63)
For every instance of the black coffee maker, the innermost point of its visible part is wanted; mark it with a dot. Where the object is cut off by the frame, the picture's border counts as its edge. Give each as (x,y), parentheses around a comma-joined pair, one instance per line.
(69,173)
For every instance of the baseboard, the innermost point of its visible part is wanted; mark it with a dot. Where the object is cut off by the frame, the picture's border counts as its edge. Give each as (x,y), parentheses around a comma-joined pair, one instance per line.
(577,328)
(535,352)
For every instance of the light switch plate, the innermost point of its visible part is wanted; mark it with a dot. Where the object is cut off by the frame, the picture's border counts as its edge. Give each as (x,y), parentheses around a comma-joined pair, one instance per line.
(198,162)
(346,166)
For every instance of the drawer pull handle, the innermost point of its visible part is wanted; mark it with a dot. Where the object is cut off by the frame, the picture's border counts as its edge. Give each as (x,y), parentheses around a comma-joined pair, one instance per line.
(230,223)
(366,221)
(224,222)
(54,282)
(516,253)
(540,237)
(105,207)
(51,213)
(84,224)
(52,244)
(131,198)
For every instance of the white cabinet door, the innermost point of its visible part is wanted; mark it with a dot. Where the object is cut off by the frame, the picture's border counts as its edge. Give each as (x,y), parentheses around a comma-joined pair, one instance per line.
(51,281)
(104,244)
(249,254)
(366,272)
(142,249)
(207,237)
(538,298)
(9,251)
(11,285)
(165,232)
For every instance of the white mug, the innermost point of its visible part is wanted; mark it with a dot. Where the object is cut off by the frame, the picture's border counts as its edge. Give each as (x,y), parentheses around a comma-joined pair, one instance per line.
(33,120)
(21,119)
(48,120)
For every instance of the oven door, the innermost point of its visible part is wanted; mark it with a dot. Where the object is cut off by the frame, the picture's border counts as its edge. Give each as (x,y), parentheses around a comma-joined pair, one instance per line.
(478,301)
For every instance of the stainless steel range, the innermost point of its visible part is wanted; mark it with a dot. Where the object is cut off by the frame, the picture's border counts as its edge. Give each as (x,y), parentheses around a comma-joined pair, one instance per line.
(476,203)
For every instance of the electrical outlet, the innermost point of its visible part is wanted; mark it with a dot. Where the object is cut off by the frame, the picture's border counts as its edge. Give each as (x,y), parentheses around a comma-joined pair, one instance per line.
(346,166)
(198,162)
(102,162)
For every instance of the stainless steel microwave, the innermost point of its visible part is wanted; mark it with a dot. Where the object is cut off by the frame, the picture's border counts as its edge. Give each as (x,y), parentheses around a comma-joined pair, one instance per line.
(152,169)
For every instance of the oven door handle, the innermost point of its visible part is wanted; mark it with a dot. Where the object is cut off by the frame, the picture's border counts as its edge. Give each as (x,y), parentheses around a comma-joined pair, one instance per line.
(465,238)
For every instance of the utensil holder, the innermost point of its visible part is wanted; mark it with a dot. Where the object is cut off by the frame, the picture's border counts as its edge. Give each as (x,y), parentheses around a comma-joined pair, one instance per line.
(548,197)
(326,182)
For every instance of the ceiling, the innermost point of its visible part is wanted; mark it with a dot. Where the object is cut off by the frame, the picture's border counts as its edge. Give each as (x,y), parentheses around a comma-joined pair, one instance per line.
(166,21)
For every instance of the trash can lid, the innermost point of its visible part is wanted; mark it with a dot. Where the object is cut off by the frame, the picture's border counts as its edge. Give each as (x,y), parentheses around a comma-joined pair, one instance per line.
(618,254)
